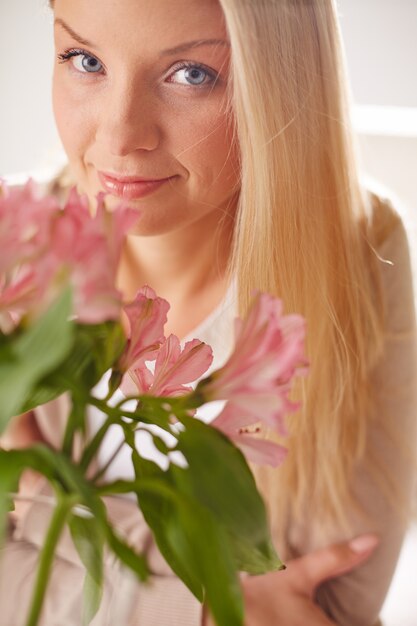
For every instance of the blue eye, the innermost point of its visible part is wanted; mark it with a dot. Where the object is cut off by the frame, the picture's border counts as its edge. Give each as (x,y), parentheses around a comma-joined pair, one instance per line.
(84,62)
(193,75)
(87,64)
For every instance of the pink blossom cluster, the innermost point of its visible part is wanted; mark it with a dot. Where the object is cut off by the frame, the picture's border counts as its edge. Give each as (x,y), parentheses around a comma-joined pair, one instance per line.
(45,247)
(255,381)
(175,367)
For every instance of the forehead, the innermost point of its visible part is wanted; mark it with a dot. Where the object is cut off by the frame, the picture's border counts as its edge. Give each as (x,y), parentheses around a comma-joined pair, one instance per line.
(142,24)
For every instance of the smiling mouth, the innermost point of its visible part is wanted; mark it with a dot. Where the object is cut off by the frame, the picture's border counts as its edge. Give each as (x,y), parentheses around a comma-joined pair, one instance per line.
(130,188)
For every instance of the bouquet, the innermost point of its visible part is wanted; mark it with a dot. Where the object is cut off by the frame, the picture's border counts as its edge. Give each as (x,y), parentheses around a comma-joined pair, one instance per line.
(63,328)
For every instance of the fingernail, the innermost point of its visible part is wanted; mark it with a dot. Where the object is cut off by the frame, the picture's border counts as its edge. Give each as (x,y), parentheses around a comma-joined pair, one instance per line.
(364,543)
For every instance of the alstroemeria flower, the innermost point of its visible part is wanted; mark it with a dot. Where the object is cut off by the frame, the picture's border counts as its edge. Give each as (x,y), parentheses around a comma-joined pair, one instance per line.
(114,224)
(89,246)
(28,289)
(26,221)
(25,224)
(45,247)
(174,369)
(147,316)
(256,378)
(236,426)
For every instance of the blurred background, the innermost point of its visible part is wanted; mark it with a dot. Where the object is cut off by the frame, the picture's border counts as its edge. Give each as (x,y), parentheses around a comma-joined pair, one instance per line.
(381,54)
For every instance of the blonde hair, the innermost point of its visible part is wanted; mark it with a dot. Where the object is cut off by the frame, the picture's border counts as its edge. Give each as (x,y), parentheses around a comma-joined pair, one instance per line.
(300,235)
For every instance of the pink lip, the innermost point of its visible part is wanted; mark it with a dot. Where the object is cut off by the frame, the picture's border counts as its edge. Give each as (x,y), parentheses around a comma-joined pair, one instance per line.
(129,187)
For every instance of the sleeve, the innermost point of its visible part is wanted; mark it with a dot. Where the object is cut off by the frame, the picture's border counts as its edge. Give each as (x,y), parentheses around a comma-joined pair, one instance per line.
(163,600)
(356,598)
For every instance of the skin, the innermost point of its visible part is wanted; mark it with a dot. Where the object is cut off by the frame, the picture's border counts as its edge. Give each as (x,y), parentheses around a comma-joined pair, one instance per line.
(137,117)
(287,598)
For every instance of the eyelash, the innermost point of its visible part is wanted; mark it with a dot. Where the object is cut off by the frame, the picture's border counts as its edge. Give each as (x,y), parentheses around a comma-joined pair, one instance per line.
(213,76)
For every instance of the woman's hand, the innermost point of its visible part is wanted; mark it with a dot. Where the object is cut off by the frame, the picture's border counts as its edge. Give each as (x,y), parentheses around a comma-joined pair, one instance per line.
(286,598)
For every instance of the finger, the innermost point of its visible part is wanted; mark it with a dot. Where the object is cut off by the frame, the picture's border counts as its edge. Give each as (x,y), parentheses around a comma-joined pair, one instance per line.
(312,569)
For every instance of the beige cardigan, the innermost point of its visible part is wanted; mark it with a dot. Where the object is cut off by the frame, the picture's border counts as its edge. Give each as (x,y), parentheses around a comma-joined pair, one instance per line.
(351,600)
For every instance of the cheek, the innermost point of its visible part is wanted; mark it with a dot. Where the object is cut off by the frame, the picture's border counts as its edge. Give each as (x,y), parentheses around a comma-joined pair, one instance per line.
(72,120)
(213,156)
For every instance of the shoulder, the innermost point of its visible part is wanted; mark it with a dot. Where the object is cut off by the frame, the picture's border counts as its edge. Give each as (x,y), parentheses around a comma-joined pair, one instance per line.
(383,219)
(389,242)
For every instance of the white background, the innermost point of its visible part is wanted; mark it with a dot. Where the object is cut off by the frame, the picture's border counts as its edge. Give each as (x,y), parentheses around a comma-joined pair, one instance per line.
(381,51)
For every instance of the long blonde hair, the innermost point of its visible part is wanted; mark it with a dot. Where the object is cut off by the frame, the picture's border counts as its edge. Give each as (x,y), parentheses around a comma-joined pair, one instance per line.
(300,235)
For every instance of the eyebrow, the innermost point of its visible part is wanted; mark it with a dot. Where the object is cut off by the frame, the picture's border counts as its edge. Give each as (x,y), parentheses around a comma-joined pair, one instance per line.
(194,44)
(169,51)
(60,22)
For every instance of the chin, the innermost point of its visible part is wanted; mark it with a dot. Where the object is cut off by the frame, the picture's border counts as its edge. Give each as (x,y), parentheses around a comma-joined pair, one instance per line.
(145,228)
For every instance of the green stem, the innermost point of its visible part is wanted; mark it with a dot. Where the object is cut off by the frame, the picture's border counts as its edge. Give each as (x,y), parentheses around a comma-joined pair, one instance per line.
(103,469)
(63,506)
(69,432)
(115,414)
(91,449)
(76,420)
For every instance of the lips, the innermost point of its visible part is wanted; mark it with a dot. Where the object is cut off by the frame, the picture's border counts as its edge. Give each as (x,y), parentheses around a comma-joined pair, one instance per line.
(130,187)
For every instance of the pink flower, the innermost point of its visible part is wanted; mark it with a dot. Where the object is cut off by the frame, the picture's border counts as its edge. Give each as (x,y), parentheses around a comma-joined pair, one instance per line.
(25,292)
(174,369)
(115,224)
(44,248)
(90,248)
(147,316)
(108,226)
(25,223)
(234,424)
(269,351)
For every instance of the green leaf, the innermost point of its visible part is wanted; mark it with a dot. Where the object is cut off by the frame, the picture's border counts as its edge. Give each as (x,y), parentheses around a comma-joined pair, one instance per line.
(193,544)
(11,468)
(96,348)
(156,513)
(33,354)
(117,487)
(57,468)
(88,539)
(160,444)
(162,518)
(199,544)
(127,555)
(220,479)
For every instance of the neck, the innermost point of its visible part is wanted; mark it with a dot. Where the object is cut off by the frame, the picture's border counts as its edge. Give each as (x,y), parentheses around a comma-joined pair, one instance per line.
(178,265)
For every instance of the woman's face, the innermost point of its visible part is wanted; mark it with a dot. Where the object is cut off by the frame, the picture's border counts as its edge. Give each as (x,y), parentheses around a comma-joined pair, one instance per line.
(137,99)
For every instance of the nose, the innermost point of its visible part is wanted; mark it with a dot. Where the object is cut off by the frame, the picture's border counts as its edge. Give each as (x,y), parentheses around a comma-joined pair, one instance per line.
(128,119)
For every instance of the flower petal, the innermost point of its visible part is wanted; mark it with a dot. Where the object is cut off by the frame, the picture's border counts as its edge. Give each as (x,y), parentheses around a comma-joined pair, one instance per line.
(261,451)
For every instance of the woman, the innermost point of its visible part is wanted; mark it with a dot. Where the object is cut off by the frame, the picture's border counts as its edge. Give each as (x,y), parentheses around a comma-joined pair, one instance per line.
(238,108)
